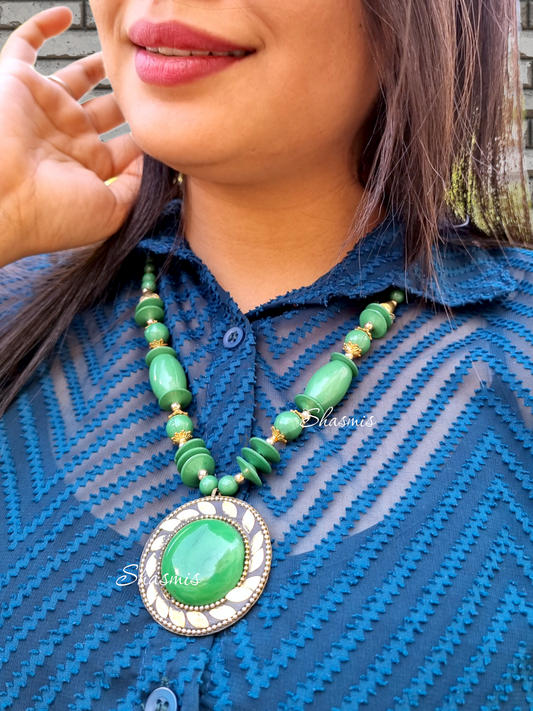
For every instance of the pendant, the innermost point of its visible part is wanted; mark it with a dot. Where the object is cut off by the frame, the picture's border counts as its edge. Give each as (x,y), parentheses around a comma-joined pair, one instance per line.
(205,565)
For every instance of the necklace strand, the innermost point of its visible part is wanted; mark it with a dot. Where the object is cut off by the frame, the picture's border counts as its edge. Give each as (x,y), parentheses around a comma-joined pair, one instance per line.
(325,389)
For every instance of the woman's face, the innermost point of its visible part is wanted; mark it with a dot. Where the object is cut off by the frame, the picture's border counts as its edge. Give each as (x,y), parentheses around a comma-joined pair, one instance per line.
(297,101)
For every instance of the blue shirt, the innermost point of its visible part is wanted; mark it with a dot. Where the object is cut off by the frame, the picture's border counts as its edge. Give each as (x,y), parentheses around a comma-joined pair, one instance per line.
(402,555)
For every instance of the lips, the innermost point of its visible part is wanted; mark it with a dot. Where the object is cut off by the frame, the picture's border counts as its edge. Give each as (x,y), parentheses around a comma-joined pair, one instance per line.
(176,35)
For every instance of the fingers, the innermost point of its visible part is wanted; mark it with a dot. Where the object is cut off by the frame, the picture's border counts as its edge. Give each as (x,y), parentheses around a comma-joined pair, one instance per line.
(83,74)
(104,112)
(26,40)
(123,151)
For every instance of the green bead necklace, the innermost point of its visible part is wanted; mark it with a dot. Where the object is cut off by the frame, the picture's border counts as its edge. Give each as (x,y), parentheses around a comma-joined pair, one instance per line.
(207,563)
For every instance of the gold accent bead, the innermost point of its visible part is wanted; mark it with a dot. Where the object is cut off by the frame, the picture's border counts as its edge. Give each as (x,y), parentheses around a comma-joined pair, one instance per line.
(352,350)
(176,410)
(157,343)
(304,416)
(181,436)
(239,478)
(148,294)
(271,440)
(277,436)
(202,473)
(150,322)
(366,329)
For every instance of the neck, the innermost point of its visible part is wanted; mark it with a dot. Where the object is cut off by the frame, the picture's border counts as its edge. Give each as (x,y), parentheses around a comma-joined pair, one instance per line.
(261,241)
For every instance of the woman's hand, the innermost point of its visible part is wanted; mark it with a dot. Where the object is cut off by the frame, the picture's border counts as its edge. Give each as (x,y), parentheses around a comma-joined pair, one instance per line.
(53,165)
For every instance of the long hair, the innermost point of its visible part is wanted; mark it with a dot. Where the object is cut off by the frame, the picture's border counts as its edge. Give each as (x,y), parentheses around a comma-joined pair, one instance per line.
(443,141)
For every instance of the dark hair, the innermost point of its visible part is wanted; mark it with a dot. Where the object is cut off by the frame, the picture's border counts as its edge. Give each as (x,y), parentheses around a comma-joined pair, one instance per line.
(438,146)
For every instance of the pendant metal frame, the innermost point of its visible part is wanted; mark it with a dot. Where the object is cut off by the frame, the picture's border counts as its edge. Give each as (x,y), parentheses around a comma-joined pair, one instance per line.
(199,620)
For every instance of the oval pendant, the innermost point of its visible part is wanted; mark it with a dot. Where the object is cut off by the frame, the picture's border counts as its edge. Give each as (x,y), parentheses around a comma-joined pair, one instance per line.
(205,565)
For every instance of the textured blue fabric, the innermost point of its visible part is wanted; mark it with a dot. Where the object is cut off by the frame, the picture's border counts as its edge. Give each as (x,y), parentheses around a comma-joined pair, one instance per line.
(402,572)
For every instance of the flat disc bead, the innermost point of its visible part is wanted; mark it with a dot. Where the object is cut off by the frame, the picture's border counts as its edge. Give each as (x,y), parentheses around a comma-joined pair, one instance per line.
(189,471)
(256,459)
(182,457)
(267,450)
(190,444)
(203,562)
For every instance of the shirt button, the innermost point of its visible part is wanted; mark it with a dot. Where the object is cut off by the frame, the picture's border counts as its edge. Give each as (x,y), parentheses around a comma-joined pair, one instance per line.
(233,337)
(162,699)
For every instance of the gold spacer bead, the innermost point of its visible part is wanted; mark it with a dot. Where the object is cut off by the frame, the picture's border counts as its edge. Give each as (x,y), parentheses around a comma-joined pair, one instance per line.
(365,329)
(277,436)
(148,294)
(157,343)
(181,436)
(176,410)
(271,440)
(202,474)
(304,416)
(352,350)
(239,478)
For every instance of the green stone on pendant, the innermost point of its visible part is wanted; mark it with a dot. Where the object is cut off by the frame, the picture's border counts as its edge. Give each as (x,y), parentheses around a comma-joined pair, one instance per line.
(203,562)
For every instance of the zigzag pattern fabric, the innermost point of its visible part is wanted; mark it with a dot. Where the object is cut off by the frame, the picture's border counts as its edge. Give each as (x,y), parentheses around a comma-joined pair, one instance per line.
(402,530)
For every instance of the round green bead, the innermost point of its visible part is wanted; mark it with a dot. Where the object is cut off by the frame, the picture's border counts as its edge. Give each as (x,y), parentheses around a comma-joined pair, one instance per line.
(397,295)
(227,485)
(156,332)
(148,283)
(149,268)
(178,423)
(208,553)
(189,471)
(267,450)
(289,424)
(256,459)
(360,338)
(378,321)
(208,484)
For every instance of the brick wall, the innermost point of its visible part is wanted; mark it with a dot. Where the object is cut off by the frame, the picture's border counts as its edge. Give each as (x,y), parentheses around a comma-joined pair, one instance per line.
(82,39)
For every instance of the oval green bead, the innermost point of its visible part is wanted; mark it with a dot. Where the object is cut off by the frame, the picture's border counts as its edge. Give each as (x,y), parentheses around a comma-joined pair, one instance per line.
(343,358)
(146,312)
(267,450)
(168,380)
(148,284)
(378,321)
(256,459)
(289,424)
(189,471)
(397,295)
(227,485)
(182,457)
(190,444)
(330,383)
(153,352)
(178,423)
(149,268)
(156,332)
(360,338)
(208,484)
(203,561)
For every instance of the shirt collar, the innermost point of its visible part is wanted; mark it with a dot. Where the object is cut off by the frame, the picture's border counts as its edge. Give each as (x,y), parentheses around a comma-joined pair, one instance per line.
(464,275)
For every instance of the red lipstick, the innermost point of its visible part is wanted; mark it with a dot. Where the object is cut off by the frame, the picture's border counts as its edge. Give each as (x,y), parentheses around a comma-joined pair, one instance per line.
(164,70)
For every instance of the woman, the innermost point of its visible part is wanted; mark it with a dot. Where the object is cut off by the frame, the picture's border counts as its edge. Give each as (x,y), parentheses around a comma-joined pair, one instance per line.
(308,159)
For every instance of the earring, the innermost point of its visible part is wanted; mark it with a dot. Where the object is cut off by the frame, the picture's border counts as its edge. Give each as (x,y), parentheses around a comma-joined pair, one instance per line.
(178,179)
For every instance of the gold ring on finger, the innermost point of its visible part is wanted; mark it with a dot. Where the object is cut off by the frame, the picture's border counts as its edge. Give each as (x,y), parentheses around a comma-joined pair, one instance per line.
(62,83)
